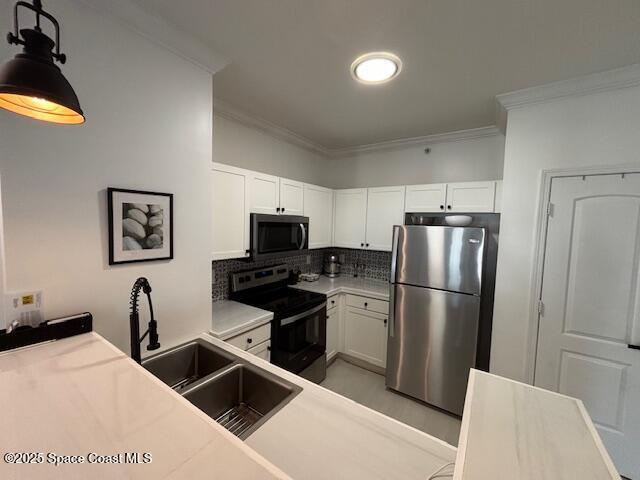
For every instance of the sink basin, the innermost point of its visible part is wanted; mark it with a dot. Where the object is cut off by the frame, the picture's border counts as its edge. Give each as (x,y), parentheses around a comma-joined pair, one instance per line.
(242,397)
(187,364)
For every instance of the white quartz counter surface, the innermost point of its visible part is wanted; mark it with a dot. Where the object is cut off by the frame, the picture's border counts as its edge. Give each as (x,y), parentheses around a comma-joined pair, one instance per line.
(344,284)
(82,395)
(232,318)
(321,435)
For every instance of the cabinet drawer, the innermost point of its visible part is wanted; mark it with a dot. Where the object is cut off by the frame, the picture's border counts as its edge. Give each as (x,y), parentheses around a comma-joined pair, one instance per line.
(262,351)
(251,338)
(365,303)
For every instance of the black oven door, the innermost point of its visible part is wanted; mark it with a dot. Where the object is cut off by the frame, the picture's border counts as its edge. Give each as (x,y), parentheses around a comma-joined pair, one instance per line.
(278,234)
(297,341)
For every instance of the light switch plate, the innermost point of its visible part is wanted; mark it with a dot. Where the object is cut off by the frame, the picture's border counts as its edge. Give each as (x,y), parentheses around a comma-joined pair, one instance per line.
(25,307)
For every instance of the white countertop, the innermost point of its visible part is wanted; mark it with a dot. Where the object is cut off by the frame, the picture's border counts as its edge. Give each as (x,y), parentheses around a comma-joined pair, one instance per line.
(321,435)
(232,318)
(347,284)
(515,431)
(82,395)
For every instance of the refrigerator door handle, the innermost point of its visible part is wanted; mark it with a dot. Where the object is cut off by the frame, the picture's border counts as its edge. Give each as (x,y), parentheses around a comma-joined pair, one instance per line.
(394,254)
(392,311)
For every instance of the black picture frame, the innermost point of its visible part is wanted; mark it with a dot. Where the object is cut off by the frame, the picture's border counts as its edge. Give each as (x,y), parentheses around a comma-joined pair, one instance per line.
(117,254)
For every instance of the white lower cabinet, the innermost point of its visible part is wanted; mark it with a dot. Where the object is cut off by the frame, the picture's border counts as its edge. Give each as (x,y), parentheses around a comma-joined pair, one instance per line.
(334,327)
(365,336)
(252,338)
(262,350)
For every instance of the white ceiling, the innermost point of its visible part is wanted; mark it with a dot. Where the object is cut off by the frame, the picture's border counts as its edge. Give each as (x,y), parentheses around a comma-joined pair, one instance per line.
(290,58)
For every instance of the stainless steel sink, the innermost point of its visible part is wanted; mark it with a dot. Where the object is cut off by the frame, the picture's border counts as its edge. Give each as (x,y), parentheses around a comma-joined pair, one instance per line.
(242,397)
(188,363)
(235,393)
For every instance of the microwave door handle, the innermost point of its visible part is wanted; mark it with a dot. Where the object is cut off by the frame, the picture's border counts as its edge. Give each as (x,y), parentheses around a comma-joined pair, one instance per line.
(304,236)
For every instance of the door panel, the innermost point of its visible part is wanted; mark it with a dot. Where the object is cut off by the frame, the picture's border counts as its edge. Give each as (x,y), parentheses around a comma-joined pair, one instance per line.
(426,198)
(318,206)
(448,258)
(471,197)
(265,193)
(591,297)
(230,237)
(385,208)
(350,218)
(291,197)
(432,345)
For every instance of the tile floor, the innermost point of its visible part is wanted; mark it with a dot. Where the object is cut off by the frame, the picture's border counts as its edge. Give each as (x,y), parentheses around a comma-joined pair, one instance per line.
(367,388)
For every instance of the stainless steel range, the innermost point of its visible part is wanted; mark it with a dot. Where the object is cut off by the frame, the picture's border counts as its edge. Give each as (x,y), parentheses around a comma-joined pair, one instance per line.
(299,326)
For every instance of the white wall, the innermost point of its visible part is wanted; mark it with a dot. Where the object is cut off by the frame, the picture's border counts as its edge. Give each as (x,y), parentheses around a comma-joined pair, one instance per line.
(149,128)
(245,147)
(461,161)
(595,130)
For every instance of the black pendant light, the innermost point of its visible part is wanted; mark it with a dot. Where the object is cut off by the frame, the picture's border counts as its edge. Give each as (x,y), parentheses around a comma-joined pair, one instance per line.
(31,84)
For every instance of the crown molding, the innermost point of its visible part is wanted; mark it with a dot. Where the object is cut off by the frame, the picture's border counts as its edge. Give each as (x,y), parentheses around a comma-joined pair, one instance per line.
(457,136)
(229,112)
(133,15)
(624,77)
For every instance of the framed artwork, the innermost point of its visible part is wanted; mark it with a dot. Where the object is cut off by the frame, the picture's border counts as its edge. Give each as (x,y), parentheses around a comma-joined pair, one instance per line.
(140,226)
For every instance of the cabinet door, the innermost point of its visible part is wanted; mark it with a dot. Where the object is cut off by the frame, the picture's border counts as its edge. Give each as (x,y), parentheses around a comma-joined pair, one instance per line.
(333,332)
(318,206)
(291,197)
(385,208)
(350,217)
(262,351)
(230,212)
(265,193)
(426,198)
(471,197)
(365,336)
(497,207)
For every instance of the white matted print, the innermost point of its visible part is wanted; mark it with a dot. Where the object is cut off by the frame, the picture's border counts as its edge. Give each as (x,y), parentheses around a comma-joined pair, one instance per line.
(140,226)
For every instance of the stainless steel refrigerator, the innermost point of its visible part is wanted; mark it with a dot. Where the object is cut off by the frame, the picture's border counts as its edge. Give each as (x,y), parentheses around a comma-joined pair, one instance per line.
(436,285)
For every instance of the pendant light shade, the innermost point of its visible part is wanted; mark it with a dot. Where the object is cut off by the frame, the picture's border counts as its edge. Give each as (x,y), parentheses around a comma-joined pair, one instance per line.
(31,84)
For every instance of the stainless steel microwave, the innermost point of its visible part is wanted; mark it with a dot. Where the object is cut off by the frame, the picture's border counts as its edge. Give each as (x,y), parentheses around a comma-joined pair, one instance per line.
(274,235)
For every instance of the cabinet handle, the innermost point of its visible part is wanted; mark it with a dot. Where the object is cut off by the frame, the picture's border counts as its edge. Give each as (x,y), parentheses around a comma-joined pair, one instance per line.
(634,347)
(441,207)
(269,348)
(365,304)
(333,302)
(282,209)
(249,340)
(367,245)
(277,209)
(385,322)
(449,207)
(362,244)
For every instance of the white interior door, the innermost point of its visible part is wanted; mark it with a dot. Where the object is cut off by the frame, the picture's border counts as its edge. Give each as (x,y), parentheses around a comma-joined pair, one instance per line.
(591,306)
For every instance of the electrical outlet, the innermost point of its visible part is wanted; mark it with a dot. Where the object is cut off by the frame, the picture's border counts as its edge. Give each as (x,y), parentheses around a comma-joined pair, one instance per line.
(308,259)
(24,307)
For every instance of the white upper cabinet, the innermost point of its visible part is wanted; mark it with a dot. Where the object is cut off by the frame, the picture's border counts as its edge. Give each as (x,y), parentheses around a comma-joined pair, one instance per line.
(385,208)
(291,197)
(471,197)
(265,193)
(318,206)
(426,198)
(230,212)
(350,215)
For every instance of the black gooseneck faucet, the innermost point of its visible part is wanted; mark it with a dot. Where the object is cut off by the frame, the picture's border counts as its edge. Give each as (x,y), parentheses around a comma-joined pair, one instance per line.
(134,320)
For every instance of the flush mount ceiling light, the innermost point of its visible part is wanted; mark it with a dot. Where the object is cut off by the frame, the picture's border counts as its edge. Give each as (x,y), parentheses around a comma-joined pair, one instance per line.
(376,67)
(31,84)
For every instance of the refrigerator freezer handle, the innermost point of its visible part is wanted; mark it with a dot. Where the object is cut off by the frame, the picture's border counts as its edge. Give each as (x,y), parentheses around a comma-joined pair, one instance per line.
(394,254)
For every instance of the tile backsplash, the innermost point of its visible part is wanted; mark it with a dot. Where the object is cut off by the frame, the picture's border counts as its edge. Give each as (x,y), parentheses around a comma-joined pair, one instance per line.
(364,263)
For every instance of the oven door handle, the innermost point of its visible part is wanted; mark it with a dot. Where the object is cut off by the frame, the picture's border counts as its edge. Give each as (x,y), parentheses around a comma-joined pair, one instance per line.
(295,318)
(304,236)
